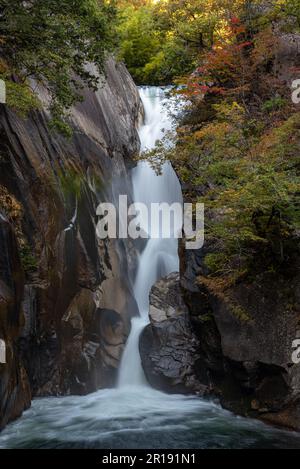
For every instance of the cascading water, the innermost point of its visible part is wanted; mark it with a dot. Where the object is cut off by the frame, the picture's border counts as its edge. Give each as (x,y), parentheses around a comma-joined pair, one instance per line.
(134,415)
(160,257)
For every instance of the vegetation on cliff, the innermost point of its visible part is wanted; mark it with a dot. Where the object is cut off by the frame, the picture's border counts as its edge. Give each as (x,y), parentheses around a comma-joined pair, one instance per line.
(238,146)
(51,42)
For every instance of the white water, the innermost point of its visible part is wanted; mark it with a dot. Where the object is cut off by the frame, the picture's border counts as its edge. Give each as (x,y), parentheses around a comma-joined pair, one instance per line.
(160,257)
(134,415)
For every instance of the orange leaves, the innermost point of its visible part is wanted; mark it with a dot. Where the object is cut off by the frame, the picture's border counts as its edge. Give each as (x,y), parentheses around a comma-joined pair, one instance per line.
(223,67)
(236,26)
(265,45)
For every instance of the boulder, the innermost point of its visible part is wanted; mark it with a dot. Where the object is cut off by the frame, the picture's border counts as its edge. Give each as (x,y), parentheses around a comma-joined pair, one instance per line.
(168,345)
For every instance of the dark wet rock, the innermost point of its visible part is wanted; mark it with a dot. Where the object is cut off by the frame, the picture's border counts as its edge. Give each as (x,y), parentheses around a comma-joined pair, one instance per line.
(58,338)
(168,345)
(245,339)
(15,393)
(198,341)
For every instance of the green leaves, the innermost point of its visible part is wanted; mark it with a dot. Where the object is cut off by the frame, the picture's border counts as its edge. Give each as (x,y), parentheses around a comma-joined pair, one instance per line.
(256,204)
(160,42)
(21,98)
(52,42)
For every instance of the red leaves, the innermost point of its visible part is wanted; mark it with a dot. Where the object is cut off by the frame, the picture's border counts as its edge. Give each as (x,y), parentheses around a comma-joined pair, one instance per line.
(204,88)
(221,67)
(236,26)
(245,44)
(235,21)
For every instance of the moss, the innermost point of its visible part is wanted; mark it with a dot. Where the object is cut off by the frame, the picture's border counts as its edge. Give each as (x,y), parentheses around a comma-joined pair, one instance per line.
(10,206)
(205,318)
(239,312)
(21,98)
(72,182)
(57,124)
(274,104)
(14,212)
(216,262)
(28,259)
(220,287)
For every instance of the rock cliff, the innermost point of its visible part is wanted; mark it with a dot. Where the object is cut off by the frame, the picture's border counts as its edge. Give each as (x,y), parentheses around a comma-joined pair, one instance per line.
(65,295)
(198,342)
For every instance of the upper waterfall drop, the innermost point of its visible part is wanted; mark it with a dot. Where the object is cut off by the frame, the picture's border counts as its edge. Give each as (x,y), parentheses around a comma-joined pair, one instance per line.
(160,256)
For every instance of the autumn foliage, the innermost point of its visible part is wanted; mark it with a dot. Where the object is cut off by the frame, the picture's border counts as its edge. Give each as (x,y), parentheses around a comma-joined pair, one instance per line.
(227,68)
(238,151)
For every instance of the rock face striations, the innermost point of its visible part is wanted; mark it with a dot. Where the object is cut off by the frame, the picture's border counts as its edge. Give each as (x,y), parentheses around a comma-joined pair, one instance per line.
(65,295)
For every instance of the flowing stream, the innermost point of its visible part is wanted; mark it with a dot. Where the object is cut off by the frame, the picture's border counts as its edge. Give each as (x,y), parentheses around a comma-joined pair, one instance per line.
(134,415)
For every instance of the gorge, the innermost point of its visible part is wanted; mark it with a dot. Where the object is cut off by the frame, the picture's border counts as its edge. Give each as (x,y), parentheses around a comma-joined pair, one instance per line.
(91,322)
(115,342)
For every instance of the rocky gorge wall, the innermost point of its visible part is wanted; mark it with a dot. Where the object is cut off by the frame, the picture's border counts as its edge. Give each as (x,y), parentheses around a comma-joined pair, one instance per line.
(65,296)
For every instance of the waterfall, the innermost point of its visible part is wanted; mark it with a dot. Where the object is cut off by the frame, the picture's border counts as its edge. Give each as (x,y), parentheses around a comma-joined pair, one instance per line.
(160,257)
(134,415)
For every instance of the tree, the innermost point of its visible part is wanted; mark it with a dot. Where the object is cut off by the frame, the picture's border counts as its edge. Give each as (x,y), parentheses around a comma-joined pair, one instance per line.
(140,40)
(52,41)
(162,40)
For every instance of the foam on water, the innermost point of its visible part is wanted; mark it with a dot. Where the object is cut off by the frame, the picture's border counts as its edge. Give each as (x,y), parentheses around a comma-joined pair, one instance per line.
(138,418)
